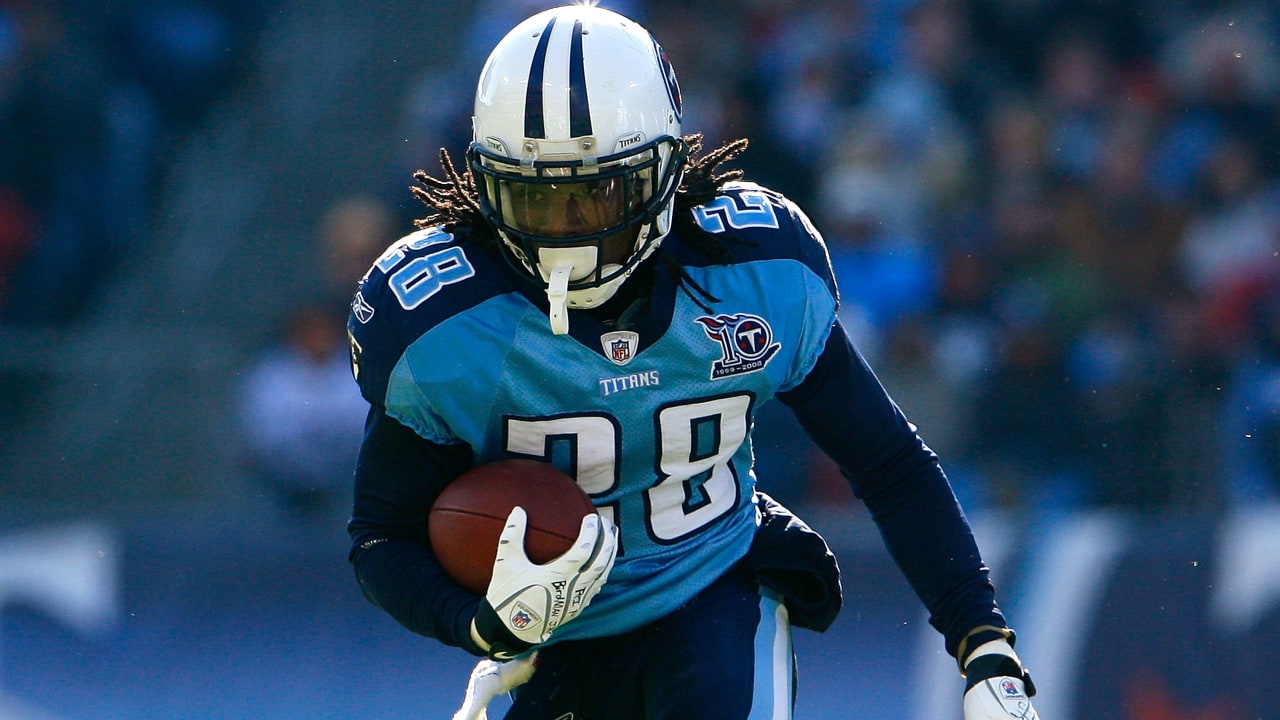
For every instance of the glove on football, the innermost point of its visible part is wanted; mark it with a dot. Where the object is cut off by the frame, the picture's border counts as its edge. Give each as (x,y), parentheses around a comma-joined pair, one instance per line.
(998,688)
(526,602)
(491,678)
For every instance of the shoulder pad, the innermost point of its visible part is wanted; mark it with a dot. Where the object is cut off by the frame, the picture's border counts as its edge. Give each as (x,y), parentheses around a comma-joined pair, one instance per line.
(769,225)
(419,281)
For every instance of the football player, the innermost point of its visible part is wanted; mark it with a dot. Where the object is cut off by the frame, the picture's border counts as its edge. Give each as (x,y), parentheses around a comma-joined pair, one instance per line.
(593,290)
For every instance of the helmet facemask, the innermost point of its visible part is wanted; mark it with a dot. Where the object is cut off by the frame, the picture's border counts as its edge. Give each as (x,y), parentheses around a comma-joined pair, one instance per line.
(592,221)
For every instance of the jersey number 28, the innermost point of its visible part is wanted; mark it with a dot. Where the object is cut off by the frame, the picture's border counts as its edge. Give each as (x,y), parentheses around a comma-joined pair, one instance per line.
(696,482)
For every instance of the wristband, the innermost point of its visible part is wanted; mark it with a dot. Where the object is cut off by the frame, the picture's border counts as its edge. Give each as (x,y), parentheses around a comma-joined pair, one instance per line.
(986,667)
(978,637)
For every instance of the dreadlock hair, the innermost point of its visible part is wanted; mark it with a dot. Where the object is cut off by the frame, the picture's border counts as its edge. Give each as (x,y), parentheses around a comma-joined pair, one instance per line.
(453,200)
(701,181)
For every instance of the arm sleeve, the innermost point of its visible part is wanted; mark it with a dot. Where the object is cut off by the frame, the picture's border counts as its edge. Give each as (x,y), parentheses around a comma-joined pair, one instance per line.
(843,407)
(398,475)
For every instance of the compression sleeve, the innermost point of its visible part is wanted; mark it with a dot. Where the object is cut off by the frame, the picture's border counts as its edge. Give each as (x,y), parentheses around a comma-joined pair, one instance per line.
(398,475)
(846,411)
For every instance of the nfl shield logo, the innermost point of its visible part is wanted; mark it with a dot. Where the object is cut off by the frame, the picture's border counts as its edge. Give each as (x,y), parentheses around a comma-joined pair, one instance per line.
(520,620)
(620,346)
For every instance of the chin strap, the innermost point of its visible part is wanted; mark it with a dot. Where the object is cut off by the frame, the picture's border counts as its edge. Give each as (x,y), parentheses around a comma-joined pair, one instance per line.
(557,296)
(557,265)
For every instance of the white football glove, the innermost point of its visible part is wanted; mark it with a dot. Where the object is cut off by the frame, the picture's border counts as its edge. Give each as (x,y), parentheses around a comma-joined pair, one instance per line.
(526,602)
(999,687)
(491,678)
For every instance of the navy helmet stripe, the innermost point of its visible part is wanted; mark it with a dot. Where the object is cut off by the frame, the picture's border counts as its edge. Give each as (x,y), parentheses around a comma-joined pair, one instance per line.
(533,122)
(579,107)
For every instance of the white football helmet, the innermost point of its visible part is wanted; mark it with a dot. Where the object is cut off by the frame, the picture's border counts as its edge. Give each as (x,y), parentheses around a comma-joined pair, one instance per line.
(577,151)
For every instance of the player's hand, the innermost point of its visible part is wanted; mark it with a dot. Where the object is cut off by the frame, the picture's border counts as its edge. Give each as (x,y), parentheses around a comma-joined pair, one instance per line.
(998,688)
(526,602)
(491,678)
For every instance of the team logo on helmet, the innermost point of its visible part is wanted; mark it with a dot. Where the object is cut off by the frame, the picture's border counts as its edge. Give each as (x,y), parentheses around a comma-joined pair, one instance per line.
(669,78)
(746,343)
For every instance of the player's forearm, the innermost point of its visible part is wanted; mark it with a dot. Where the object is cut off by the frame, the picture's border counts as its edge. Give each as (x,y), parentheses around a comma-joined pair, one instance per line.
(402,579)
(398,474)
(943,565)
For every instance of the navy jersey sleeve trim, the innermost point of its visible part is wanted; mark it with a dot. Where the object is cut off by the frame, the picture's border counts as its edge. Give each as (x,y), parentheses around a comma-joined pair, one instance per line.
(398,476)
(844,408)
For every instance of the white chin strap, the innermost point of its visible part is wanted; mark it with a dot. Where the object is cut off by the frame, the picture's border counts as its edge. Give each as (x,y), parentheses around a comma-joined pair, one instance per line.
(557,295)
(559,266)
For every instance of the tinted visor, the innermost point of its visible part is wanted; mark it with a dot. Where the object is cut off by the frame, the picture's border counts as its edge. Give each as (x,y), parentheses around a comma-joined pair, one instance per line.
(553,209)
(565,209)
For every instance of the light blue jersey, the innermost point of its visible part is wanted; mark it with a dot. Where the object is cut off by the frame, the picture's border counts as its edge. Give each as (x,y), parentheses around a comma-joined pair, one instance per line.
(653,421)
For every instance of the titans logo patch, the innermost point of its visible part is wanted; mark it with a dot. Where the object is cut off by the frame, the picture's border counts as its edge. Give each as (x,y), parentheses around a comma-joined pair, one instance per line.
(746,343)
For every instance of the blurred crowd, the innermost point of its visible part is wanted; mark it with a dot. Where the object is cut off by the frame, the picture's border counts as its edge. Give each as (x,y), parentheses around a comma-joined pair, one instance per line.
(1056,224)
(94,98)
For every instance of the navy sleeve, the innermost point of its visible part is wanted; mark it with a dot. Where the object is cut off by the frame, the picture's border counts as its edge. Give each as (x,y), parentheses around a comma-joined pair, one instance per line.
(398,476)
(844,408)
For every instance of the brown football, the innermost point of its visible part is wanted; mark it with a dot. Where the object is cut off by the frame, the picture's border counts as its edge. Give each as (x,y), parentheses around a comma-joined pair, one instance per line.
(468,516)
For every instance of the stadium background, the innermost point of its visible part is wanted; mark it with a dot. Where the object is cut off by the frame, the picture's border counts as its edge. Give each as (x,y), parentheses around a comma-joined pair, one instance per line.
(1056,225)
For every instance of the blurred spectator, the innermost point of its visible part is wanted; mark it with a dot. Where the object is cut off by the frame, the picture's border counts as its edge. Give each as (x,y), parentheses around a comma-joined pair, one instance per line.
(1078,95)
(931,97)
(1219,65)
(301,416)
(872,216)
(1236,229)
(353,233)
(1027,434)
(714,99)
(1123,412)
(919,369)
(811,62)
(92,97)
(1251,413)
(52,124)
